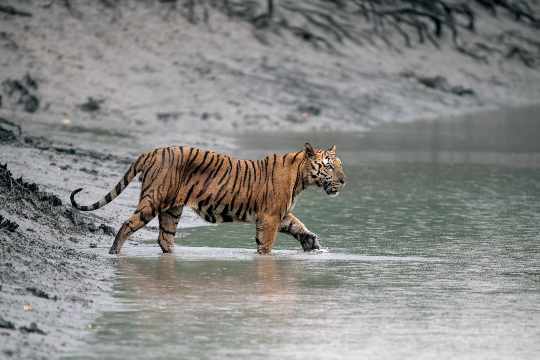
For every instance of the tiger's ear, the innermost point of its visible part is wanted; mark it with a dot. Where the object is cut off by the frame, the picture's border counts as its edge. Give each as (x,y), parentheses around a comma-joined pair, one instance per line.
(309,150)
(332,149)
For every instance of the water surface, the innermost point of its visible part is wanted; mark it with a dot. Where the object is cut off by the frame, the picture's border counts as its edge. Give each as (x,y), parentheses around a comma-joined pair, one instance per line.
(425,259)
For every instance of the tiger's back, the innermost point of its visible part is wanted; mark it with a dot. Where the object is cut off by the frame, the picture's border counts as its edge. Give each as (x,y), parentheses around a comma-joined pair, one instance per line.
(218,187)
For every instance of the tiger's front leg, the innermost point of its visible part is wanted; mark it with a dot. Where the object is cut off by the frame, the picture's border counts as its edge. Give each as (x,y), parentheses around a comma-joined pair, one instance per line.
(294,227)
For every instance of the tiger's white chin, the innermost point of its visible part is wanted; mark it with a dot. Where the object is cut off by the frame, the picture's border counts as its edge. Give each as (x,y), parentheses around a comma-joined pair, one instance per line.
(334,194)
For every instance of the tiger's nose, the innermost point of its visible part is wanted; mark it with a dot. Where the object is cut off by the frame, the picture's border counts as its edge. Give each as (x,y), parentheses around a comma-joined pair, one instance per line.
(342,181)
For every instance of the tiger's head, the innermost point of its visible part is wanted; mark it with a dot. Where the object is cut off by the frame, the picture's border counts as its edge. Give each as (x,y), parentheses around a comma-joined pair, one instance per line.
(323,168)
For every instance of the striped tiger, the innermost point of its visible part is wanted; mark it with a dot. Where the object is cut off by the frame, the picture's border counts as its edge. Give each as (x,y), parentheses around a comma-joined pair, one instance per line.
(220,188)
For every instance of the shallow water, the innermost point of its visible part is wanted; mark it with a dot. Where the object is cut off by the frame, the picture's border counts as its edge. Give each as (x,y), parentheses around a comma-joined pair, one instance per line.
(423,259)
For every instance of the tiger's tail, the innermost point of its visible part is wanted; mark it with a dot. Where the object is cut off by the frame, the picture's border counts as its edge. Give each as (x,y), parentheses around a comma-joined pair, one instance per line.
(122,184)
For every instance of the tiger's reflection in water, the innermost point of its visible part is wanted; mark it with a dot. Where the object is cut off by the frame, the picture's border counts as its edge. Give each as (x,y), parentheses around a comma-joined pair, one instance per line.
(169,289)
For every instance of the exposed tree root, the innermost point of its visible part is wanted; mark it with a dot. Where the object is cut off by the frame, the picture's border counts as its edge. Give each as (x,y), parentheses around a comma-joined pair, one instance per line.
(328,24)
(10,10)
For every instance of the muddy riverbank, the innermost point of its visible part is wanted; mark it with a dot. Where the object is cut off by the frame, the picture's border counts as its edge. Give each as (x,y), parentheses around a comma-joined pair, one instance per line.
(141,73)
(50,286)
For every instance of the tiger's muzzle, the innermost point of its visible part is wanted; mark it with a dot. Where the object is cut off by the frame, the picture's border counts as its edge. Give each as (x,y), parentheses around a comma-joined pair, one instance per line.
(333,188)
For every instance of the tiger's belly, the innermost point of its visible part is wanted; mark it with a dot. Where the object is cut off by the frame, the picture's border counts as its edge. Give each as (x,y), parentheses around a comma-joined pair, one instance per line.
(224,215)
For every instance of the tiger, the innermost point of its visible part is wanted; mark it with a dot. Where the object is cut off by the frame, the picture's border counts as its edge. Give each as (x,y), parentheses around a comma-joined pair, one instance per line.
(220,189)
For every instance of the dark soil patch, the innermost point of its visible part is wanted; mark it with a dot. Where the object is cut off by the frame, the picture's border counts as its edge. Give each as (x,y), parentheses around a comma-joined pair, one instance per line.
(40,293)
(89,171)
(24,92)
(91,104)
(6,324)
(32,329)
(7,133)
(439,83)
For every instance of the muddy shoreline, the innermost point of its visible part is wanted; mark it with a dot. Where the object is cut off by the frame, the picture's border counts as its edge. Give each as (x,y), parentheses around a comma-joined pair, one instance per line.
(50,284)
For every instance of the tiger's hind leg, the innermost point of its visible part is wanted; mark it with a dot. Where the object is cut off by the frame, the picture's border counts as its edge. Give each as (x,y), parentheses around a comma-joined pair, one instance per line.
(168,220)
(144,213)
(266,232)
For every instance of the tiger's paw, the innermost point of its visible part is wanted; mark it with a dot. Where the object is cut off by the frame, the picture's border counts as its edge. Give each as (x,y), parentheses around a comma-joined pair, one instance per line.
(263,250)
(114,251)
(310,241)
